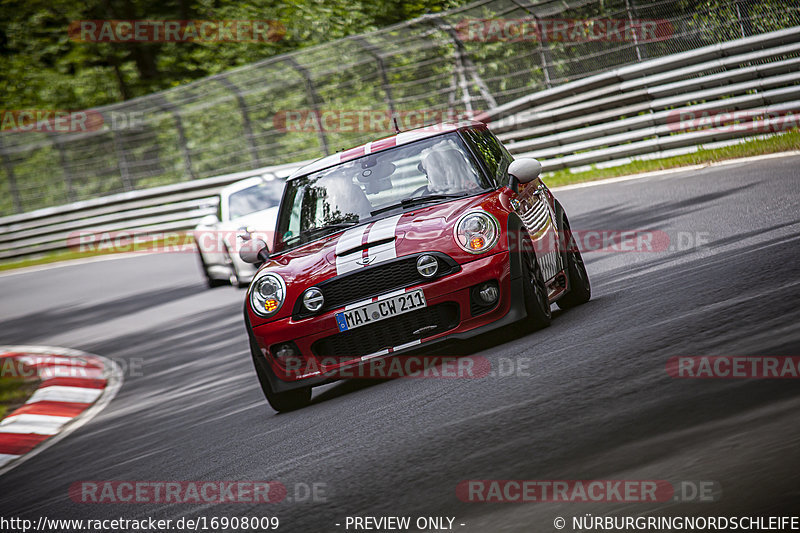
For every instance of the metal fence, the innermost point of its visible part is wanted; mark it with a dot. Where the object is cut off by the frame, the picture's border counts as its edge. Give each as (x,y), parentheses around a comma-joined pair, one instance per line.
(456,60)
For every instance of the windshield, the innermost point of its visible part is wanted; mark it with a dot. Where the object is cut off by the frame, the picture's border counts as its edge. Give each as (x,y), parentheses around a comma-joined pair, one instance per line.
(418,173)
(256,198)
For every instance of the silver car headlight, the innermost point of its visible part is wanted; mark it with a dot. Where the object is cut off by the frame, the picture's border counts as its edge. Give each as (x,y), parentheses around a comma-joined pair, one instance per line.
(267,294)
(477,232)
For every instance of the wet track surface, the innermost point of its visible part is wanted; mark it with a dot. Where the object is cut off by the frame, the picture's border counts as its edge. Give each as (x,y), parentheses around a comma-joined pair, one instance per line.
(597,403)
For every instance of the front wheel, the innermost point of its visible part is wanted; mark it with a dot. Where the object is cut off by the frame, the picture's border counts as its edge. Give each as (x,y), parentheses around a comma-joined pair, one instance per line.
(234,278)
(580,290)
(537,303)
(280,401)
(210,282)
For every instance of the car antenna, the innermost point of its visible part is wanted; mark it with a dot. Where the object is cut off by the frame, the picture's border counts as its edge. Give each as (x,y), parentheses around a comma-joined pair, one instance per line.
(396,126)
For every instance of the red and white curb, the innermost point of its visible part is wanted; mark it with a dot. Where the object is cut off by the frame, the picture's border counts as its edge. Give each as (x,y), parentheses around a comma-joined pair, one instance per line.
(75,386)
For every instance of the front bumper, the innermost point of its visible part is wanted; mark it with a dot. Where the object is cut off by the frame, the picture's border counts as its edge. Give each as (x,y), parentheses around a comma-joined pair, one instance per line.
(454,289)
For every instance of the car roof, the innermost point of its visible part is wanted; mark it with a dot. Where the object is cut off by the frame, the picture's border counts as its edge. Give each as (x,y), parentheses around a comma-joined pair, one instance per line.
(379,145)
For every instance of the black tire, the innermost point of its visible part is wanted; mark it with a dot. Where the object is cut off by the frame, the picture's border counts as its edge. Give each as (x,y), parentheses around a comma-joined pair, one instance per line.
(233,280)
(580,289)
(537,303)
(282,402)
(211,283)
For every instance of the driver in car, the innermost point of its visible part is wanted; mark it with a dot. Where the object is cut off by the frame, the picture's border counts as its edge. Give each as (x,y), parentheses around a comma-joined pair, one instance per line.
(343,199)
(447,170)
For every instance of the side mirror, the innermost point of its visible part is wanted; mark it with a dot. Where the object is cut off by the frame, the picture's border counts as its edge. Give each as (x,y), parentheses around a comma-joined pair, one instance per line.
(525,170)
(209,220)
(254,251)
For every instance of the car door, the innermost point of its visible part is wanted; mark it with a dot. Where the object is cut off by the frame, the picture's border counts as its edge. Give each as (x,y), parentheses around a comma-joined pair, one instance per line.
(533,207)
(530,202)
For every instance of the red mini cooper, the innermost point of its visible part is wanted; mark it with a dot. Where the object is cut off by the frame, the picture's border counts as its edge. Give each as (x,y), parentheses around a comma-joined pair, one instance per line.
(428,235)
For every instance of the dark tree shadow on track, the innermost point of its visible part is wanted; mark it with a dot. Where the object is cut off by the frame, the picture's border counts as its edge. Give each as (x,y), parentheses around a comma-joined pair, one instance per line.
(28,328)
(628,217)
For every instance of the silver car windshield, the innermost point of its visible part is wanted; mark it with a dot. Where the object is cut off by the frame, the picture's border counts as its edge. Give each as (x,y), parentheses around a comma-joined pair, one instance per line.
(256,198)
(357,190)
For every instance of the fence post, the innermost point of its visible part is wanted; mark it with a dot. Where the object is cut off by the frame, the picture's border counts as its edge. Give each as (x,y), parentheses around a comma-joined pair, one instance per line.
(543,49)
(12,179)
(123,162)
(313,100)
(62,160)
(544,54)
(465,64)
(387,88)
(630,9)
(169,107)
(745,26)
(246,124)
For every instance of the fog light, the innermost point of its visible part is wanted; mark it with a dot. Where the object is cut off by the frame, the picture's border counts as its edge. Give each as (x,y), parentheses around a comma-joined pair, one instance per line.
(288,356)
(488,293)
(284,352)
(427,265)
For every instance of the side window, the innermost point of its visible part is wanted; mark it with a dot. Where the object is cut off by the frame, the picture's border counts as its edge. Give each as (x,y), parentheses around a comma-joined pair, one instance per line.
(495,156)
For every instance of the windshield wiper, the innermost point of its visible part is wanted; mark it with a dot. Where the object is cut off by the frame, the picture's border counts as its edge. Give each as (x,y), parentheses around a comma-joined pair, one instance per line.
(311,232)
(408,202)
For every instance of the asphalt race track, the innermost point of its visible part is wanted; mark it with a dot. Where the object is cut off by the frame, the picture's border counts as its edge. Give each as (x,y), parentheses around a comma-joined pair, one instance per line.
(596,403)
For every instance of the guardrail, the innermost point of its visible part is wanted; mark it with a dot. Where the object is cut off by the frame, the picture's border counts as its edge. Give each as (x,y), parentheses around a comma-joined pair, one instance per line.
(637,110)
(160,209)
(627,112)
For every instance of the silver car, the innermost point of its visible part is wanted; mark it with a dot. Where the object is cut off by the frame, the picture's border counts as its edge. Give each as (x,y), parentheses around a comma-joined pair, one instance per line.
(247,208)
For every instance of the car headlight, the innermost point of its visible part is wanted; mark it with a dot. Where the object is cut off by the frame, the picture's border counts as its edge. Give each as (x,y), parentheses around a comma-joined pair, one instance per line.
(477,232)
(267,294)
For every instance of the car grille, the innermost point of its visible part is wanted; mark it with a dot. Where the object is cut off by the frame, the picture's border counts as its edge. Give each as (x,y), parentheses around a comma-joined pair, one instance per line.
(388,333)
(373,281)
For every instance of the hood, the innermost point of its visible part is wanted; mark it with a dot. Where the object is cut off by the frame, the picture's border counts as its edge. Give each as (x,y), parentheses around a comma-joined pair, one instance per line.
(427,228)
(260,220)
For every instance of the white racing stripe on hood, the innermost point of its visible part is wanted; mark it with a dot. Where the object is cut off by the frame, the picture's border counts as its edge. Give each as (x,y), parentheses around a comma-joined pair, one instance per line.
(383,229)
(349,239)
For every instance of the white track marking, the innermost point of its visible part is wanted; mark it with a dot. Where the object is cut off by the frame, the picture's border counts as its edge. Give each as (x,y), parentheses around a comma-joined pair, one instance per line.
(38,424)
(101,398)
(6,458)
(59,393)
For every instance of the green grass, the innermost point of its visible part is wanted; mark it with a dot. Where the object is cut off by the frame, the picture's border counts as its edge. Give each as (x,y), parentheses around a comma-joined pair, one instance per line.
(778,143)
(14,391)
